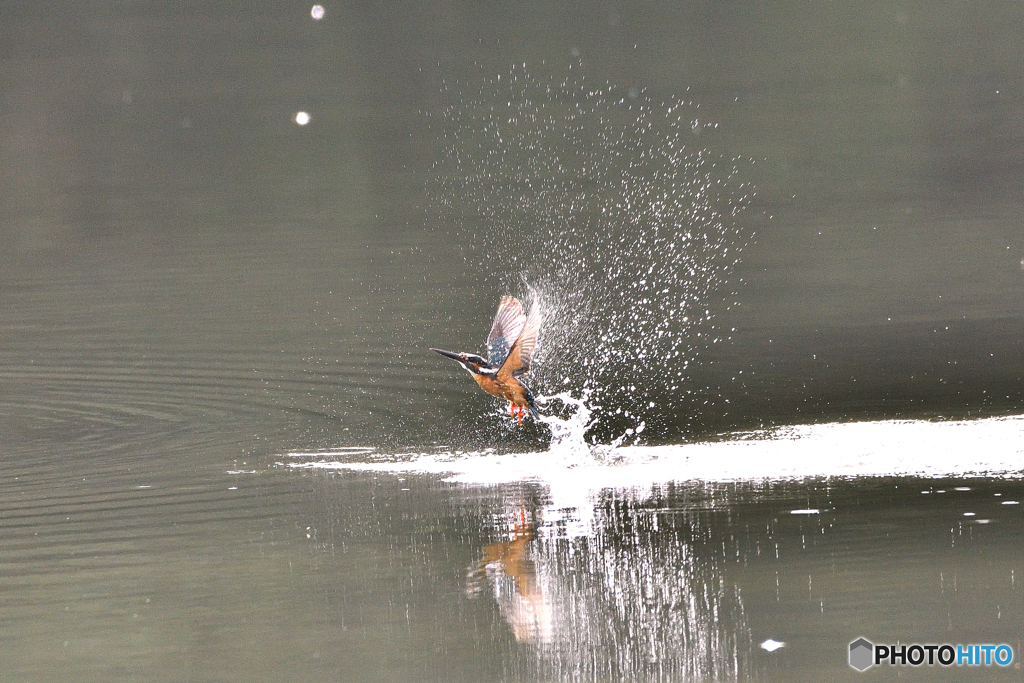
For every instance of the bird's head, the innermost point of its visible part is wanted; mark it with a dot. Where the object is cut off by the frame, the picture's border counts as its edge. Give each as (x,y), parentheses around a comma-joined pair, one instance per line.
(477,365)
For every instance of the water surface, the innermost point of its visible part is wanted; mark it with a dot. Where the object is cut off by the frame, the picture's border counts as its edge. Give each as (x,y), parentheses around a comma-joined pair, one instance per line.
(781,251)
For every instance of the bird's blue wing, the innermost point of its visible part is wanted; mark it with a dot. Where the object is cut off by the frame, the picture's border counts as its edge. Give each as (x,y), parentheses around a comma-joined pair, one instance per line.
(508,325)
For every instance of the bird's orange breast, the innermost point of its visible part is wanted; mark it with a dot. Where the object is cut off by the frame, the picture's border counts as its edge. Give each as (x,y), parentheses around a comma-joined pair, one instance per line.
(511,391)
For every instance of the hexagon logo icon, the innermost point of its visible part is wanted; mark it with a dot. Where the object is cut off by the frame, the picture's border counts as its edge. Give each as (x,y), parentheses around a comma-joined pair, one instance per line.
(862,654)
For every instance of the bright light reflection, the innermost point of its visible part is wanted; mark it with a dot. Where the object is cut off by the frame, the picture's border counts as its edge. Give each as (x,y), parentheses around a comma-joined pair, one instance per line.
(989,447)
(612,605)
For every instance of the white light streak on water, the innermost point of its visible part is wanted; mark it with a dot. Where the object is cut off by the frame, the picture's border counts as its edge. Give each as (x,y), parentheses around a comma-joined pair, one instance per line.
(575,472)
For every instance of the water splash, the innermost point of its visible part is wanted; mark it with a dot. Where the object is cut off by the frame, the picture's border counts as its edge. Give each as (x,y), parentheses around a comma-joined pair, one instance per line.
(569,442)
(609,203)
(568,434)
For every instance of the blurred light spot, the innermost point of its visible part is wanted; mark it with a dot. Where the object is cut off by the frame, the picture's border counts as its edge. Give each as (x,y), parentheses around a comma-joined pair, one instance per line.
(302,118)
(772,645)
(317,12)
(808,511)
(968,514)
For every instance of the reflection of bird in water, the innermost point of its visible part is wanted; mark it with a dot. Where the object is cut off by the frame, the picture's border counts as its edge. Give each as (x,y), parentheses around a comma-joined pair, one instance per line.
(513,578)
(510,347)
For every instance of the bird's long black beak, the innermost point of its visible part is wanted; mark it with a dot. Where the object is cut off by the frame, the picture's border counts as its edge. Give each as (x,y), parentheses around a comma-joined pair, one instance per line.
(449,354)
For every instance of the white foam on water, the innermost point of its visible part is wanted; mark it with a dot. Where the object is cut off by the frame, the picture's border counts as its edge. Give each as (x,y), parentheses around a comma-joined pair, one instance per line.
(990,447)
(574,471)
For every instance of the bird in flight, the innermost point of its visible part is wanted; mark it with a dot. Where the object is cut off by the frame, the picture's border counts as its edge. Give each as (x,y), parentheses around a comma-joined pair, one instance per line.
(510,347)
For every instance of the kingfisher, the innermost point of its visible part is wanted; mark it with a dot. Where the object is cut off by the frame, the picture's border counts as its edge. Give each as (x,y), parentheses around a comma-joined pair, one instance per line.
(510,347)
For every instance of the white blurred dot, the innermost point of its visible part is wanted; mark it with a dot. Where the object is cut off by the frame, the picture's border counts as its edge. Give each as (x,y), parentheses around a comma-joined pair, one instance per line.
(302,118)
(317,12)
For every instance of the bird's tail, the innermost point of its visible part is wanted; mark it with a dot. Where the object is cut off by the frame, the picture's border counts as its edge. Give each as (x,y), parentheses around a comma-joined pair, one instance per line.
(531,403)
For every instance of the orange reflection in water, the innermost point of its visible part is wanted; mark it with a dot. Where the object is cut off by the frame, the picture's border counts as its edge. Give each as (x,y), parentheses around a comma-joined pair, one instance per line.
(508,568)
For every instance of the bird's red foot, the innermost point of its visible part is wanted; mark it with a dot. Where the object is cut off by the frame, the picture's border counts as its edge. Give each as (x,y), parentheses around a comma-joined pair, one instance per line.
(519,525)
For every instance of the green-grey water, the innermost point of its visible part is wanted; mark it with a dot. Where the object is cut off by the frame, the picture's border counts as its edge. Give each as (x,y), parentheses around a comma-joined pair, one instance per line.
(194,288)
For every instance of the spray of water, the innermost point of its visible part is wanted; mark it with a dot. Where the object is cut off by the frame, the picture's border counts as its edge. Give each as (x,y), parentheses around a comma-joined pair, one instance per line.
(609,204)
(567,433)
